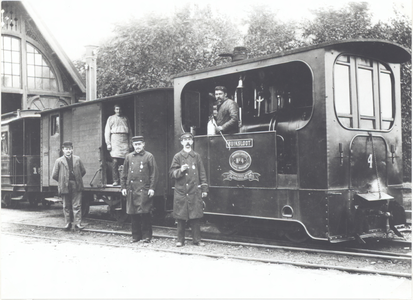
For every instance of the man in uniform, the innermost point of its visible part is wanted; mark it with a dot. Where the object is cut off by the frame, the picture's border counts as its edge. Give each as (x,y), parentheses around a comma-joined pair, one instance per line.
(190,187)
(225,111)
(68,171)
(138,181)
(118,134)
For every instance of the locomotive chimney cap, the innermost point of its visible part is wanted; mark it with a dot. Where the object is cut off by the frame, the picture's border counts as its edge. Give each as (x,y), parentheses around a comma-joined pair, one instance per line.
(239,53)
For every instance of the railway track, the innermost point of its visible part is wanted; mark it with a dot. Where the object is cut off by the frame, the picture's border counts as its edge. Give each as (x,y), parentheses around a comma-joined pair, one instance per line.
(167,233)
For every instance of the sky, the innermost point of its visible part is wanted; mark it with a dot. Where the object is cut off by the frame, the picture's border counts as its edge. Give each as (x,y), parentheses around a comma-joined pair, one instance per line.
(77,23)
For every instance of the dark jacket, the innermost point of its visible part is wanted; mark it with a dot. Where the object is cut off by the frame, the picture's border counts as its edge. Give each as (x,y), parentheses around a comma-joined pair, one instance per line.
(60,173)
(139,175)
(188,185)
(227,116)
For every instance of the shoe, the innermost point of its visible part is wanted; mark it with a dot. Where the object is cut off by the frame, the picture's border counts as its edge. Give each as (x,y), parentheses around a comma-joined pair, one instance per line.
(146,241)
(80,227)
(68,226)
(198,244)
(179,244)
(115,183)
(135,240)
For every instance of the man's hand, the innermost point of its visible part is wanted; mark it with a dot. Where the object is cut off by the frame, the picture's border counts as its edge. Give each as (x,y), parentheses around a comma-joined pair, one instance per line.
(219,128)
(151,193)
(184,167)
(204,194)
(109,147)
(124,192)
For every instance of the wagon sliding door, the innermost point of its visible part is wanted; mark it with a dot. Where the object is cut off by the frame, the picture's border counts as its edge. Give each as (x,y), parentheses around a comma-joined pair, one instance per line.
(87,138)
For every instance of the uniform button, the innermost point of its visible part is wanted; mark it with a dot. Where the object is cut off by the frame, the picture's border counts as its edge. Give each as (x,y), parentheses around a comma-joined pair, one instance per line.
(131,181)
(141,190)
(186,174)
(187,194)
(140,180)
(131,171)
(187,184)
(140,170)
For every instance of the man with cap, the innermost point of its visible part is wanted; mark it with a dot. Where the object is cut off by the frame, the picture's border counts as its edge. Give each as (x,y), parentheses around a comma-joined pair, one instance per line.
(118,134)
(68,171)
(138,180)
(225,112)
(190,187)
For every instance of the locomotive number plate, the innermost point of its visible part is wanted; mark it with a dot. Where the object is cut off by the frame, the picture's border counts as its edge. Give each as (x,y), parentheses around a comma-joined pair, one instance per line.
(241,143)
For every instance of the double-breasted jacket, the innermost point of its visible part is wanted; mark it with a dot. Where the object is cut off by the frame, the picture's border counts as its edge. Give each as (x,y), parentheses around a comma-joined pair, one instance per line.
(189,185)
(139,175)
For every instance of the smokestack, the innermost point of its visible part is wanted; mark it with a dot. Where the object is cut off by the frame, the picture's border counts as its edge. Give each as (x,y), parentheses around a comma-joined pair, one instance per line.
(90,67)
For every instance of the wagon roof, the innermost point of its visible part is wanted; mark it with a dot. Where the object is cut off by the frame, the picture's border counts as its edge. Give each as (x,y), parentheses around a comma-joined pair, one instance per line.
(381,49)
(105,99)
(18,115)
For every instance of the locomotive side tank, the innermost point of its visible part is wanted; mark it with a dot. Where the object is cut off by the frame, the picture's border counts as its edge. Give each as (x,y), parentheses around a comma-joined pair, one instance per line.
(319,147)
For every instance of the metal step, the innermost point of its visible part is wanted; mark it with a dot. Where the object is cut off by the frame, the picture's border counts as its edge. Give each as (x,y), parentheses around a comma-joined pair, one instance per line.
(54,199)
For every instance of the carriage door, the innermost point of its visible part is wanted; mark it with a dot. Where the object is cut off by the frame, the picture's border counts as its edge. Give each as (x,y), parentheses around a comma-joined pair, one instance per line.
(368,164)
(51,152)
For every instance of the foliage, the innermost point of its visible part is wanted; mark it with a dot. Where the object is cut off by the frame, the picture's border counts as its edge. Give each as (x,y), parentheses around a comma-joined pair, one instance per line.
(266,34)
(145,53)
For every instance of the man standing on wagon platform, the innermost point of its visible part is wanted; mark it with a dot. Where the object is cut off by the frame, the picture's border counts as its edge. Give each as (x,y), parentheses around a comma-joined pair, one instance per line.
(68,171)
(118,134)
(138,180)
(190,187)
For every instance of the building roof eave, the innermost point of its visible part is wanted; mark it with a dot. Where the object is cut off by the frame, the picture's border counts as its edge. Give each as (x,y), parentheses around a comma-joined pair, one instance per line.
(71,69)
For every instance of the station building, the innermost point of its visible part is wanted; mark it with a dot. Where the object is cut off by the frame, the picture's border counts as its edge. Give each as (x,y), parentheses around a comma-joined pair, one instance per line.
(36,73)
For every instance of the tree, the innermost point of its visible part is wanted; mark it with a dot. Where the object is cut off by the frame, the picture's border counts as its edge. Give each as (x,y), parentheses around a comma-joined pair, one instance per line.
(351,21)
(145,53)
(266,34)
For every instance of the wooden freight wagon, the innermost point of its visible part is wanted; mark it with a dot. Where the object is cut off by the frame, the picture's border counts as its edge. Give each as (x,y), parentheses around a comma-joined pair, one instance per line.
(150,113)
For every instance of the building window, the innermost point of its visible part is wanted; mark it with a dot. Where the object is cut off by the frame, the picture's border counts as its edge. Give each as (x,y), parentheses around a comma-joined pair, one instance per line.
(11,62)
(39,74)
(363,93)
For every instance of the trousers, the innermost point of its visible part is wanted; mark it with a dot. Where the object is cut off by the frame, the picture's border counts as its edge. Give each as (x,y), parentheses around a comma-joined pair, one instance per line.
(72,204)
(141,226)
(195,229)
(116,162)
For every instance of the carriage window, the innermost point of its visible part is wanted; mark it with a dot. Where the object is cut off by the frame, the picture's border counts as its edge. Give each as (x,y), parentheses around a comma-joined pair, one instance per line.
(363,93)
(55,126)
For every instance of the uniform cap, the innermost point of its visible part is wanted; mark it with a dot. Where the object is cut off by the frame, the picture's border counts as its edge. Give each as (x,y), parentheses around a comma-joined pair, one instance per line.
(186,135)
(67,144)
(138,138)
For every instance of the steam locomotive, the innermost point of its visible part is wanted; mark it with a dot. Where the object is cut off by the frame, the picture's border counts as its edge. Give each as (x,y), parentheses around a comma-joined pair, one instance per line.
(318,153)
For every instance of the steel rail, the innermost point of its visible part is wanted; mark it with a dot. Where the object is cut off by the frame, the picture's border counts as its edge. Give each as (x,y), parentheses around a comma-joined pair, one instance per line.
(396,256)
(222,256)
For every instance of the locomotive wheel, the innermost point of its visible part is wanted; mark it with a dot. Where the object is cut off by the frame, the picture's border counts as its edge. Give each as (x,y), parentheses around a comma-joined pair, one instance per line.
(46,204)
(34,200)
(118,211)
(297,234)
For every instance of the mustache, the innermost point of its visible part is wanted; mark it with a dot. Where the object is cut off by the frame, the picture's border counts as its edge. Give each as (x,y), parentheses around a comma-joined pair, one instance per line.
(188,144)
